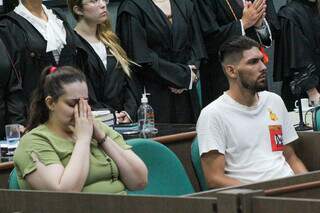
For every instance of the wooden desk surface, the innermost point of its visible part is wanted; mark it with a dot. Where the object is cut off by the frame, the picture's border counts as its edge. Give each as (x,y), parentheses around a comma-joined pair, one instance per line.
(6,165)
(176,137)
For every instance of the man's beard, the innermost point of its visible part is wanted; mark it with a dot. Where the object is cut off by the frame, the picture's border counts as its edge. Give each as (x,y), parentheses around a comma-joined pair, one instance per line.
(253,87)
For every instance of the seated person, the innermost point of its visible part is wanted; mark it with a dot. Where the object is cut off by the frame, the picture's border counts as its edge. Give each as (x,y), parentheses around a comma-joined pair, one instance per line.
(245,135)
(65,149)
(110,75)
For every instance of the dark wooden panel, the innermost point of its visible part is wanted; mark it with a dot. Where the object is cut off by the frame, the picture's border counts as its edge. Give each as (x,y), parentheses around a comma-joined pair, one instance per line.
(4,175)
(307,148)
(50,202)
(281,205)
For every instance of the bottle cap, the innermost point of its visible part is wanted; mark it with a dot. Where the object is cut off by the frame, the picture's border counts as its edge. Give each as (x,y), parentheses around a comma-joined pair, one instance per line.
(144,98)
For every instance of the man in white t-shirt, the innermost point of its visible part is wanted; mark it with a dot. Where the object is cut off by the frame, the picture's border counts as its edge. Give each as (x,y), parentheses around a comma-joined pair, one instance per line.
(245,135)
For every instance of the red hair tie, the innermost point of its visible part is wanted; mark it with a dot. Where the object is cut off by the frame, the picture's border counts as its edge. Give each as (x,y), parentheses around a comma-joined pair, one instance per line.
(52,69)
(265,56)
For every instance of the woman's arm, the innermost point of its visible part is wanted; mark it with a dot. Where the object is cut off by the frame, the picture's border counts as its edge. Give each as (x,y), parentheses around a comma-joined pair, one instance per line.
(57,178)
(133,171)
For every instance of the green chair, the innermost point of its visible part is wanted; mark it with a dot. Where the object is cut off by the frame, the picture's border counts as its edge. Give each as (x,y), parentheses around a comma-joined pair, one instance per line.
(166,174)
(195,157)
(316,119)
(13,180)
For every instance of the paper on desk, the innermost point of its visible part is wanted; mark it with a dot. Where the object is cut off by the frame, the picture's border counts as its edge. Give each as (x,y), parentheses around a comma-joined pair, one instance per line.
(99,112)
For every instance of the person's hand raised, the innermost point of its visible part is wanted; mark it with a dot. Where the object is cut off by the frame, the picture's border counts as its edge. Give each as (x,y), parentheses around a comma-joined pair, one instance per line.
(253,13)
(261,5)
(122,118)
(83,122)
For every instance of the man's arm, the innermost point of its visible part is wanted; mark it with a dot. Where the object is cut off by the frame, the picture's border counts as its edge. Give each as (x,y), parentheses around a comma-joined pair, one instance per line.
(213,164)
(295,163)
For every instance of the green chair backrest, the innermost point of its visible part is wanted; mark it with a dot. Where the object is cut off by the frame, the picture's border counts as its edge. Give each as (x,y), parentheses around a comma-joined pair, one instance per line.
(13,180)
(316,119)
(195,157)
(166,174)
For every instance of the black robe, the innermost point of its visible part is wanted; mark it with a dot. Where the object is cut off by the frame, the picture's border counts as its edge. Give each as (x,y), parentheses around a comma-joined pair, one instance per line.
(109,88)
(298,48)
(9,88)
(164,51)
(27,48)
(218,25)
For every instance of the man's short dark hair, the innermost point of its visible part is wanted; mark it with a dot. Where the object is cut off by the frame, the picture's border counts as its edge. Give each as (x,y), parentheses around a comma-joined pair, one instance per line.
(232,49)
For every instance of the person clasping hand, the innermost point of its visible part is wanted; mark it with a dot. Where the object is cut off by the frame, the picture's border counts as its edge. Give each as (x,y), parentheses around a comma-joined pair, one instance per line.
(66,148)
(253,13)
(83,126)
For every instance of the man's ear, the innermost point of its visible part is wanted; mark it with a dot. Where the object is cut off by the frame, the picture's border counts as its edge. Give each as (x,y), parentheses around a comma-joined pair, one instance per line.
(231,71)
(50,103)
(77,10)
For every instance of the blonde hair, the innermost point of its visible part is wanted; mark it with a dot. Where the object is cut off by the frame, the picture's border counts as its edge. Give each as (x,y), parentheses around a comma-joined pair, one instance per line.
(108,37)
(111,40)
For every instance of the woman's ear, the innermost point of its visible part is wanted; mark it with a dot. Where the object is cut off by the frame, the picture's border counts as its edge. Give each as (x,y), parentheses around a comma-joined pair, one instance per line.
(77,10)
(50,103)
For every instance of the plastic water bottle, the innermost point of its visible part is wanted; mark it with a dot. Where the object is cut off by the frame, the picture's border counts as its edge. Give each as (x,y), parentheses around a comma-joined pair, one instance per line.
(146,118)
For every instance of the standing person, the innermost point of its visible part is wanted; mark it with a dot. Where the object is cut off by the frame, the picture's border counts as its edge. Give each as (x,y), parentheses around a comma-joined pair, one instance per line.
(65,149)
(110,72)
(9,88)
(231,153)
(5,67)
(297,53)
(163,37)
(37,37)
(222,19)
